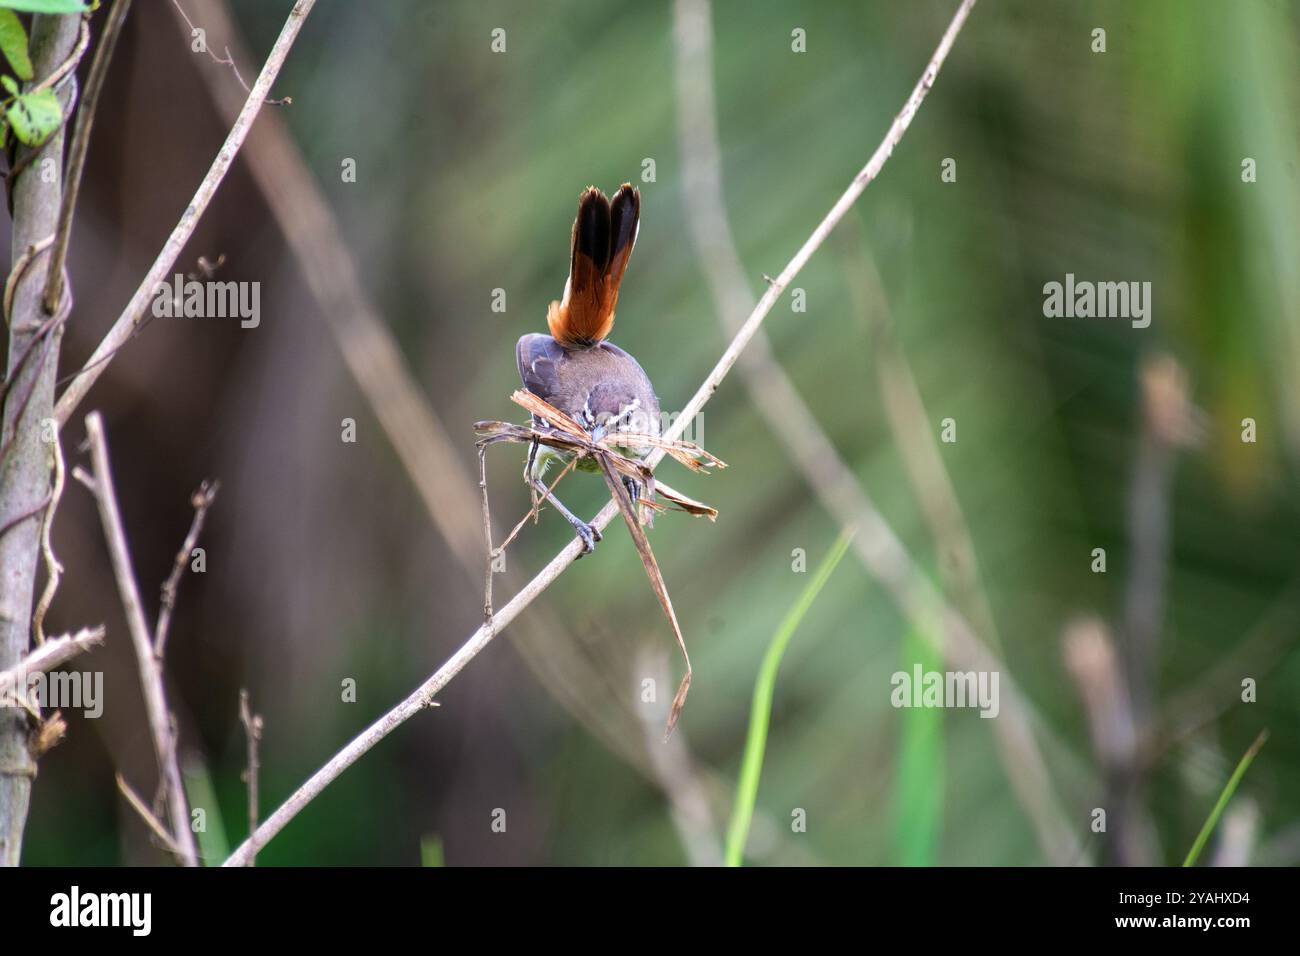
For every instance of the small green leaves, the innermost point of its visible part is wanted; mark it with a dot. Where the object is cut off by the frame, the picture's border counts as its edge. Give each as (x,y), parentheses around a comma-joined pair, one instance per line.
(34,116)
(13,41)
(46,6)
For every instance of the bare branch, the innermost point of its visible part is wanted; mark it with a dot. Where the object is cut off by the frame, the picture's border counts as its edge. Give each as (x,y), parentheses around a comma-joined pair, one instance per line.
(155,825)
(367,347)
(253,733)
(227,60)
(138,307)
(55,652)
(77,151)
(423,695)
(150,667)
(202,500)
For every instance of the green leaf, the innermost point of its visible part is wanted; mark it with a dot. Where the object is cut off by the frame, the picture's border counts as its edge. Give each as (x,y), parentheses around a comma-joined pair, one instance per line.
(34,116)
(46,6)
(10,84)
(13,41)
(751,766)
(1228,790)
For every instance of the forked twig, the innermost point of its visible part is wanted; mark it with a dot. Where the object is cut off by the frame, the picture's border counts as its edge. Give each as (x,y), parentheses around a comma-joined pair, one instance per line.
(155,825)
(201,500)
(150,668)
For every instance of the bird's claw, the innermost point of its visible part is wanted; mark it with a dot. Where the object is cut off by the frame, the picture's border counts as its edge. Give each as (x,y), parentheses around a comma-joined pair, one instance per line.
(588,536)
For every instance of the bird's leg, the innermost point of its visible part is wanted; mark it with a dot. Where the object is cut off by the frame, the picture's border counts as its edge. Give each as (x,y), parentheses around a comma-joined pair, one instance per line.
(633,489)
(586,533)
(530,466)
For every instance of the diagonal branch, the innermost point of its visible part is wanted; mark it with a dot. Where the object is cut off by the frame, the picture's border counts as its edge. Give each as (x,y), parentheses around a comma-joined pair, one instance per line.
(423,695)
(151,681)
(134,314)
(54,652)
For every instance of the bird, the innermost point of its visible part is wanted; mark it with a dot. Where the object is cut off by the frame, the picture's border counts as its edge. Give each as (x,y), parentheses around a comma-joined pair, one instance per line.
(574,368)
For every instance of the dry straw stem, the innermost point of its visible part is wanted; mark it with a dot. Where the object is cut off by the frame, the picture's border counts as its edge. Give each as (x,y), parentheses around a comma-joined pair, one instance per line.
(424,694)
(150,667)
(138,307)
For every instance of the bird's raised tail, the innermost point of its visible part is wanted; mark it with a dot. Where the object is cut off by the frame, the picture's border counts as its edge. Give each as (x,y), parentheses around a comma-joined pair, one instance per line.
(603,236)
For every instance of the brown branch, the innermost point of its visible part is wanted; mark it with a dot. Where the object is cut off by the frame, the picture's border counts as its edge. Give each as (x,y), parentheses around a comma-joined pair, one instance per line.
(423,695)
(150,667)
(138,307)
(55,652)
(155,825)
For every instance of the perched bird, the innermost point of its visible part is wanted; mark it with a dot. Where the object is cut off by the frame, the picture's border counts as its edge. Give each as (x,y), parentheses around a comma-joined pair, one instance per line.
(574,369)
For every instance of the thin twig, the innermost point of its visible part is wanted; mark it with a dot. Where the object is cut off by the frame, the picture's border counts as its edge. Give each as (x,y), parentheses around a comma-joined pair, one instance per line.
(487,532)
(253,733)
(228,60)
(78,149)
(155,825)
(53,567)
(138,307)
(367,347)
(423,695)
(1129,839)
(201,501)
(55,652)
(150,667)
(69,62)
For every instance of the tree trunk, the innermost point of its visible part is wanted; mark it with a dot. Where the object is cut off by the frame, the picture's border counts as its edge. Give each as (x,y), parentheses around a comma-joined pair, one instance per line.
(29,401)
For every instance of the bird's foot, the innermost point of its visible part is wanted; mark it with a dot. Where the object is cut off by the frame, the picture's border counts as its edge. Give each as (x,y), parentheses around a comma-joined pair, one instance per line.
(588,536)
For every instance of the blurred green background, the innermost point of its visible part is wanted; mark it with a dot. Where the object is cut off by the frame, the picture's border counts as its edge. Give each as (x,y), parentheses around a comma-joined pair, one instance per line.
(322,564)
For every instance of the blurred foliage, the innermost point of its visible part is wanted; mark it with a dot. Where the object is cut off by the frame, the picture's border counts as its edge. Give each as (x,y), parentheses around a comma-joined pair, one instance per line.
(1123,165)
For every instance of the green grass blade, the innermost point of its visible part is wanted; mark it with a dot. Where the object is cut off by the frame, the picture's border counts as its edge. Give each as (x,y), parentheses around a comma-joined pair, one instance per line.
(213,844)
(431,853)
(918,792)
(1228,790)
(751,766)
